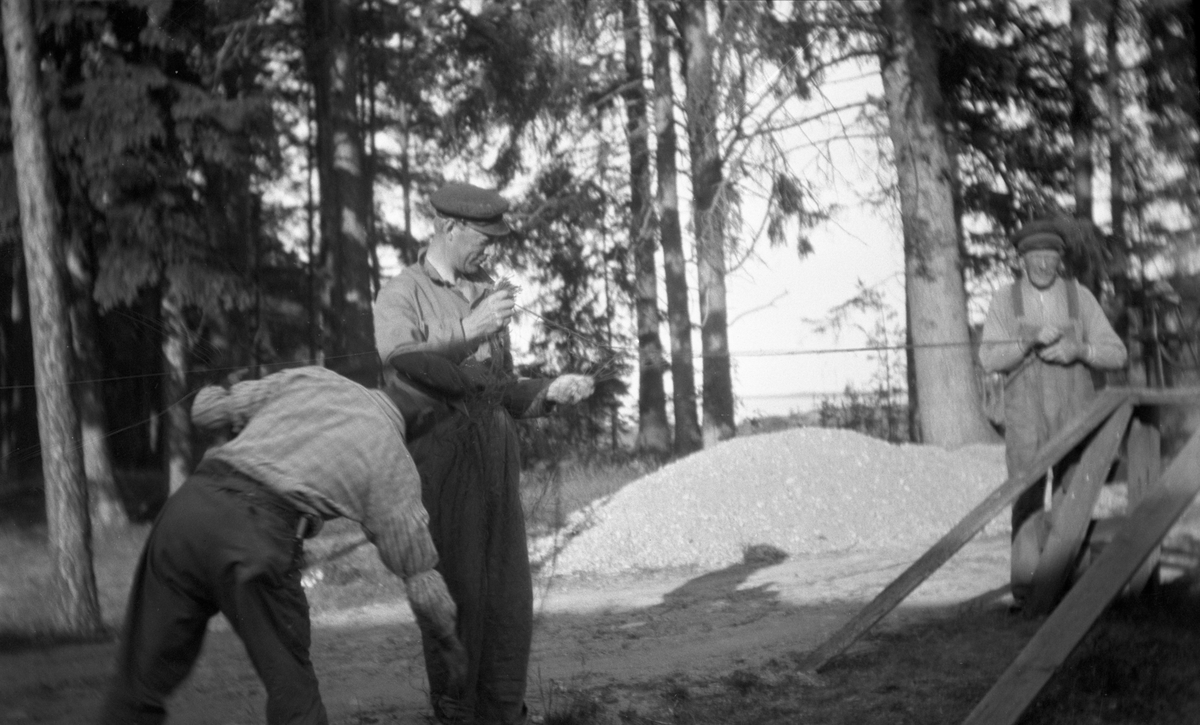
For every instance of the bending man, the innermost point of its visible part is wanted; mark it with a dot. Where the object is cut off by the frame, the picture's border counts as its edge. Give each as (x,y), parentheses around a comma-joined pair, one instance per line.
(312,446)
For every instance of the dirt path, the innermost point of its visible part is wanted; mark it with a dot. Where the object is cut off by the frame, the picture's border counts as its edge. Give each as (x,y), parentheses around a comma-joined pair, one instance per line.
(615,634)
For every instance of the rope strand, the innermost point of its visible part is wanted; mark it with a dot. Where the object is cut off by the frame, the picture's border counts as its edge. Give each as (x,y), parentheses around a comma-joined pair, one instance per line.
(619,351)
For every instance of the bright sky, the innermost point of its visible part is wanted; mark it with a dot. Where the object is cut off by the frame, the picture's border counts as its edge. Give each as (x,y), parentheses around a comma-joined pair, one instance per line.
(780,362)
(798,293)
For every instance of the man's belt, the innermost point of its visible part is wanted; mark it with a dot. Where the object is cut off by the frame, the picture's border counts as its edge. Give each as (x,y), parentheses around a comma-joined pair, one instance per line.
(234,480)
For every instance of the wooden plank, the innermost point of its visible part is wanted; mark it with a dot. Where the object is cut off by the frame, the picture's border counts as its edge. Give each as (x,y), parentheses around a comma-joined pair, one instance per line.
(1165,396)
(1144,449)
(1057,447)
(1072,513)
(1063,629)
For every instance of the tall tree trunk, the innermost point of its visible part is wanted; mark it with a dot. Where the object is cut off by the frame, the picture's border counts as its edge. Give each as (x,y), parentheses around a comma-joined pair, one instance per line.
(1116,130)
(368,121)
(18,401)
(950,413)
(8,385)
(1120,251)
(1082,113)
(251,232)
(654,435)
(178,433)
(679,320)
(708,218)
(106,508)
(409,250)
(348,338)
(77,605)
(316,351)
(910,376)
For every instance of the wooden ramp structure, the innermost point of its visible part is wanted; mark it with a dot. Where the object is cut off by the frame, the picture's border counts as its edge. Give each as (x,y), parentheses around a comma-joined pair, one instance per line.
(1156,500)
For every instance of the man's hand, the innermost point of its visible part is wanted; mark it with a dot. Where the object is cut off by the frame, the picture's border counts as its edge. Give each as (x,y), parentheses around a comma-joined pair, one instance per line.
(491,314)
(1046,336)
(454,657)
(571,388)
(1063,352)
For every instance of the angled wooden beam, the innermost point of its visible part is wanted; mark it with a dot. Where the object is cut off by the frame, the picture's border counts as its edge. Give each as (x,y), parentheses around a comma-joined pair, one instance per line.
(1102,581)
(1057,447)
(1165,396)
(1144,450)
(1072,513)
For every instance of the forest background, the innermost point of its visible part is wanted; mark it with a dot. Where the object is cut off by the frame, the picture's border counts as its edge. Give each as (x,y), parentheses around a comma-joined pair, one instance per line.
(230,181)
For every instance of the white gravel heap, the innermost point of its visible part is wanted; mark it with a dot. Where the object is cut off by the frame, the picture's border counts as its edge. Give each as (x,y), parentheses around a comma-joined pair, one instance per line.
(804,490)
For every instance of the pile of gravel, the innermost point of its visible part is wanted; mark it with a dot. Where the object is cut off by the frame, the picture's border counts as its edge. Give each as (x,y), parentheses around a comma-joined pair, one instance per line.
(805,491)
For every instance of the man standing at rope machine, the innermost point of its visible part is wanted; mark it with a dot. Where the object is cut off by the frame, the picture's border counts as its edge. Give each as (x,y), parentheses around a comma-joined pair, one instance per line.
(440,329)
(1045,333)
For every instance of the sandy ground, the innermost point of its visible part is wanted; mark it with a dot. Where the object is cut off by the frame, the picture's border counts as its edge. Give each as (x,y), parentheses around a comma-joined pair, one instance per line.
(618,631)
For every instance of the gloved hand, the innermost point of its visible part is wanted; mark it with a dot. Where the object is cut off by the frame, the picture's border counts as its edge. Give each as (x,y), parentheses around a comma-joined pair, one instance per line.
(571,388)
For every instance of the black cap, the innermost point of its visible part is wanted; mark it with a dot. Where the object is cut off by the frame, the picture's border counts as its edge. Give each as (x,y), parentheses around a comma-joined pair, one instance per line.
(1040,234)
(481,209)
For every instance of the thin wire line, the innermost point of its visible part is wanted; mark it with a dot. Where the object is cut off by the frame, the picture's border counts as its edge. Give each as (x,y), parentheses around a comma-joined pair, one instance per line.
(35,451)
(620,350)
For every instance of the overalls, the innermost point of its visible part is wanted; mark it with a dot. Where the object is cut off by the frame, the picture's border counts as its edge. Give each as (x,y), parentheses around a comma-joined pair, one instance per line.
(1039,399)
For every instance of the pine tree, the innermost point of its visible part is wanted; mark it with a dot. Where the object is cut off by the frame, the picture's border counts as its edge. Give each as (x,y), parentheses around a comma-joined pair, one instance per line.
(77,603)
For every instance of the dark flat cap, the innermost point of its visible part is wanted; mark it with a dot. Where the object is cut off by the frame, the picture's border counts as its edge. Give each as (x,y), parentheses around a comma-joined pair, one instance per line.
(481,209)
(1040,234)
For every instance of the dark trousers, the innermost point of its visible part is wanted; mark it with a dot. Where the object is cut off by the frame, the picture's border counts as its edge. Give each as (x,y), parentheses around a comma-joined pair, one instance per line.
(221,543)
(470,472)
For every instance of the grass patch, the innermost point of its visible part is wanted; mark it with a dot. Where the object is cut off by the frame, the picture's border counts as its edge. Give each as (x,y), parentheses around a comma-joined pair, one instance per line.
(26,581)
(550,494)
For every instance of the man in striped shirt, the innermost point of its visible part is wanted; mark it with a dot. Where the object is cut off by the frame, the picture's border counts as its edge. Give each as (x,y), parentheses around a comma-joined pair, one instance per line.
(310,445)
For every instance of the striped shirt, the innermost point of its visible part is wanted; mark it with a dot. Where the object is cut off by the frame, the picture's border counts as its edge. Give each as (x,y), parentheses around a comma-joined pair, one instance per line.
(334,448)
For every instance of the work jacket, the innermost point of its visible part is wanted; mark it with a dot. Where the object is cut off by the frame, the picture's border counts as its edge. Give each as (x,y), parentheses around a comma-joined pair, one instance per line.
(430,366)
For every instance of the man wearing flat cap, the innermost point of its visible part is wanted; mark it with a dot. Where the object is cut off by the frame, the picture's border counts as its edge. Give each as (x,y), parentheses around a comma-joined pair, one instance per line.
(1045,333)
(440,330)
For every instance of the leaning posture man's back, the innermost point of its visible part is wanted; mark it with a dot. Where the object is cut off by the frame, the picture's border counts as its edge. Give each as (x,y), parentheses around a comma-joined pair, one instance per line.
(309,445)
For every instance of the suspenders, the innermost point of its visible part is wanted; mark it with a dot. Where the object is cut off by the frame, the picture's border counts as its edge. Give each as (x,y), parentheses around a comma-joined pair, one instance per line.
(1018,303)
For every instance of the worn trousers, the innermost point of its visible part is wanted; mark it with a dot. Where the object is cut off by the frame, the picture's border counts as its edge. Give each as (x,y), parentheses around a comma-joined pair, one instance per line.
(470,475)
(222,543)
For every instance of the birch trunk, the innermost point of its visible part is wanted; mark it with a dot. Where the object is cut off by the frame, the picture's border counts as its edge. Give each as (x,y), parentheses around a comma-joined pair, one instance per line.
(708,218)
(679,321)
(654,436)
